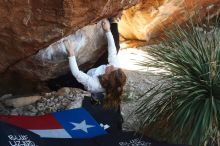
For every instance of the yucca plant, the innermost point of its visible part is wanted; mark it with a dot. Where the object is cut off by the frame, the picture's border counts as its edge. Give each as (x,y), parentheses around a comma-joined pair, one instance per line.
(188,103)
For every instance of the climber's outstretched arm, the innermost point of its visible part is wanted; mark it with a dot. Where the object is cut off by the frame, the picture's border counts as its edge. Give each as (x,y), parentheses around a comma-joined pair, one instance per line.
(112,51)
(90,83)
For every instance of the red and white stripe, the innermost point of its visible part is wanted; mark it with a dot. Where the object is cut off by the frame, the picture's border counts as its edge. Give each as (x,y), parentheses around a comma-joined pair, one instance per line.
(45,126)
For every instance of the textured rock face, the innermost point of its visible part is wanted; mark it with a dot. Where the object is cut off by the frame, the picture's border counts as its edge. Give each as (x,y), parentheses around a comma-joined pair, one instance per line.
(27,26)
(27,75)
(147,20)
(51,62)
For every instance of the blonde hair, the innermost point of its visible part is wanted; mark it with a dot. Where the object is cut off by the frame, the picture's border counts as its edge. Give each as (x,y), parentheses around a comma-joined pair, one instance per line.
(113,86)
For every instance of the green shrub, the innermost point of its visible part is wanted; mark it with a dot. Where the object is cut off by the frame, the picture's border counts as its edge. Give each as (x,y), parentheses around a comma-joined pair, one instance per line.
(189,103)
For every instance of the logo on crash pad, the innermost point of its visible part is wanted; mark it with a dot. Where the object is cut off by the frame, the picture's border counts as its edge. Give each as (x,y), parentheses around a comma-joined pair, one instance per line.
(20,140)
(135,142)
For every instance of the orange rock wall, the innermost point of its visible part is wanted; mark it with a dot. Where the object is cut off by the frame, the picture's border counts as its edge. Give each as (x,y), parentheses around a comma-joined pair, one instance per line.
(145,22)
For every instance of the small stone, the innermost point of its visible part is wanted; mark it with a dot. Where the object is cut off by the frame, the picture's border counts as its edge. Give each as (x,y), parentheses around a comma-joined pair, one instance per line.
(73,105)
(6,96)
(34,110)
(21,101)
(49,104)
(63,91)
(14,112)
(47,94)
(32,114)
(4,110)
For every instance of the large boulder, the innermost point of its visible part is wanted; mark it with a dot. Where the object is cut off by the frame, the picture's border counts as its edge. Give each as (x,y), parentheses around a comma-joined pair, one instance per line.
(28,26)
(52,61)
(145,22)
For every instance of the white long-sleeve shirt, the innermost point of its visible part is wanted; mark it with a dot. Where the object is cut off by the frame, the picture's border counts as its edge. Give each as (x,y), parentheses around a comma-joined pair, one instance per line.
(90,80)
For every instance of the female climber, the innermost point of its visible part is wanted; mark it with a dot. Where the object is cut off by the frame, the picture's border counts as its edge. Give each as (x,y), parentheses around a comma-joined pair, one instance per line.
(109,79)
